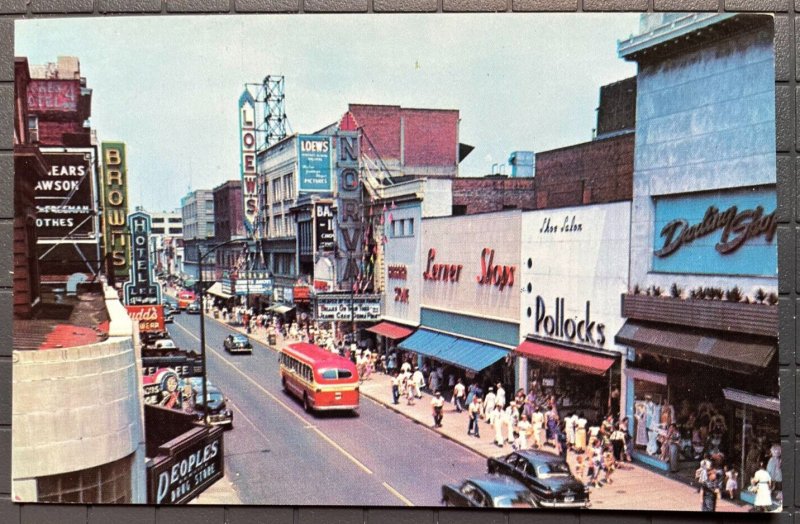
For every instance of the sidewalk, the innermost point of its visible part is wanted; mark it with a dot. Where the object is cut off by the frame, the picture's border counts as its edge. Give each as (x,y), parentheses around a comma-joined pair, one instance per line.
(633,488)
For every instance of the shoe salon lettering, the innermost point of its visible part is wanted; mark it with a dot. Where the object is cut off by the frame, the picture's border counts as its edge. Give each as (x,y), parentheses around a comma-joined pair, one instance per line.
(570,225)
(495,275)
(558,325)
(737,228)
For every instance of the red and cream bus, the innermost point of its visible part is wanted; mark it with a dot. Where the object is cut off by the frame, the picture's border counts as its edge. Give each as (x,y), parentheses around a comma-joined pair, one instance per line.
(321,379)
(185,298)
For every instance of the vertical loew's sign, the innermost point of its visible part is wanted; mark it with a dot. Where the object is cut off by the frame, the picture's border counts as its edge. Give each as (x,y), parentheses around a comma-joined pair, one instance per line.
(142,289)
(115,207)
(350,212)
(247,161)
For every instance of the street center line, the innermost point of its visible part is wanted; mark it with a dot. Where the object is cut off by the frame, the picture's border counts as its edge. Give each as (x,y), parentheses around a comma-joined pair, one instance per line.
(397,494)
(281,403)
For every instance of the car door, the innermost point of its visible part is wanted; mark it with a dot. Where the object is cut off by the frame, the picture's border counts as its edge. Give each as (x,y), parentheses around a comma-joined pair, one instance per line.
(531,479)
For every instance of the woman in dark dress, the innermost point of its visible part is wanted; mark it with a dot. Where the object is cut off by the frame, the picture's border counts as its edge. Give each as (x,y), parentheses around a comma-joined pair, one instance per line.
(710,490)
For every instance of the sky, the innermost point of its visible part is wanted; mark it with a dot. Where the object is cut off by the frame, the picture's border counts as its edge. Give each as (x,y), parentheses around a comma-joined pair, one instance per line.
(168,86)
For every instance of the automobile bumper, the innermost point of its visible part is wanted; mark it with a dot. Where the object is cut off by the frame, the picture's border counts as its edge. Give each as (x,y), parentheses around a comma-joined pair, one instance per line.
(336,407)
(241,350)
(576,504)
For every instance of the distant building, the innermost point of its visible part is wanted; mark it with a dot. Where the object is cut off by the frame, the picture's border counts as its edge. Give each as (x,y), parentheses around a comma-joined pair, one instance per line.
(228,225)
(197,212)
(492,193)
(68,222)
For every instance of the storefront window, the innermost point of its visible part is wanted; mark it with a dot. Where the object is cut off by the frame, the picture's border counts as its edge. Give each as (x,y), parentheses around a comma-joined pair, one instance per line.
(650,399)
(754,439)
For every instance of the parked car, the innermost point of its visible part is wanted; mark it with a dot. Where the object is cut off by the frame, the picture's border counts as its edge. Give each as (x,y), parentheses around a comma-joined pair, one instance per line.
(171,307)
(488,491)
(193,308)
(164,344)
(169,316)
(547,476)
(218,412)
(236,343)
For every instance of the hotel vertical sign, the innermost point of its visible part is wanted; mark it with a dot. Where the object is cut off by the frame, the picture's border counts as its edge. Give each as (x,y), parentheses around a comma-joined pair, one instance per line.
(143,289)
(247,161)
(115,207)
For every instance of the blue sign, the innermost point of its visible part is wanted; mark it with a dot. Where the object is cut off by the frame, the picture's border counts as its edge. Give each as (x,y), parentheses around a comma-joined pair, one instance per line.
(143,289)
(731,232)
(314,153)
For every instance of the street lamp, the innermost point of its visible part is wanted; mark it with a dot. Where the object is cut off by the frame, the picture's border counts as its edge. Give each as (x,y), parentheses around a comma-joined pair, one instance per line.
(203,323)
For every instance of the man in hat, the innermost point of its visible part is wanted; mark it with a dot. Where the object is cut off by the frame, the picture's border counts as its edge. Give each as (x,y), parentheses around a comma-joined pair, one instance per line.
(438,407)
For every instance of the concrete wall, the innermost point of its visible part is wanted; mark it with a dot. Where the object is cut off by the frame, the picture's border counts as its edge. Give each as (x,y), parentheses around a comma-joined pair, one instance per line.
(79,407)
(705,120)
(404,252)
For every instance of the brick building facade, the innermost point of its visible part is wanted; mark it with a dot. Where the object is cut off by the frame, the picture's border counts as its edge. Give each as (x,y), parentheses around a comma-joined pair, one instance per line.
(492,193)
(409,142)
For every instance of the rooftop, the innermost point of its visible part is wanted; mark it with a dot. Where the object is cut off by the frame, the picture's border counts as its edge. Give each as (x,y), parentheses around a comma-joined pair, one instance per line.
(65,322)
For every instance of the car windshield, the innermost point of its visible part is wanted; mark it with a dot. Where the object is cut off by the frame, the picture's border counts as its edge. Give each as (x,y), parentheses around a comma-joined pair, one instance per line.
(552,469)
(213,396)
(520,499)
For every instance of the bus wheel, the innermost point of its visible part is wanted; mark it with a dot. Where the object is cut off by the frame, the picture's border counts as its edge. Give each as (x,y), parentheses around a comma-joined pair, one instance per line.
(283,383)
(306,404)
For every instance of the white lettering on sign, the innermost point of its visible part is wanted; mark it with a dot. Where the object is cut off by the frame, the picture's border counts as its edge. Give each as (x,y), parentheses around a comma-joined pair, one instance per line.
(314,146)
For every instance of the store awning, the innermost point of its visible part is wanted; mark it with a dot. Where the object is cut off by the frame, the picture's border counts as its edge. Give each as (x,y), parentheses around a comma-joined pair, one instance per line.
(280,309)
(742,354)
(750,399)
(460,352)
(390,330)
(568,358)
(216,290)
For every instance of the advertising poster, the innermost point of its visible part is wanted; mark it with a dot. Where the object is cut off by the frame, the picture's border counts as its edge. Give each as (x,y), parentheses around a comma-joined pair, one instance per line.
(524,263)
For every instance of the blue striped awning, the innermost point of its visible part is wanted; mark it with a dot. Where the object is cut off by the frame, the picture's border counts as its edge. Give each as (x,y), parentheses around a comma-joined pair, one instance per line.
(460,352)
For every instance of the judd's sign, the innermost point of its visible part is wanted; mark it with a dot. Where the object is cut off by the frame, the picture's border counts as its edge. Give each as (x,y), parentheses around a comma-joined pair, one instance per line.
(115,206)
(247,160)
(142,288)
(185,466)
(150,318)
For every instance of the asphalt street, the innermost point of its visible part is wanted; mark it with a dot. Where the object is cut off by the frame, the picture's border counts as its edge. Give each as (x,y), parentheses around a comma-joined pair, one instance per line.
(278,454)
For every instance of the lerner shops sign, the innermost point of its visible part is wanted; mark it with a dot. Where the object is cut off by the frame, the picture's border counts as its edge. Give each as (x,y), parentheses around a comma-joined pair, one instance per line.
(491,274)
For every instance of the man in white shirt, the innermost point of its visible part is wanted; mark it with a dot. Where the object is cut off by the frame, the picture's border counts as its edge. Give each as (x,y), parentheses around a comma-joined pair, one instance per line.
(418,381)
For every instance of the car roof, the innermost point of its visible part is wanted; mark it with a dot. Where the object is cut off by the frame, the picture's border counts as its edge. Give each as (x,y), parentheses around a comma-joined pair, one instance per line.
(238,336)
(533,455)
(496,485)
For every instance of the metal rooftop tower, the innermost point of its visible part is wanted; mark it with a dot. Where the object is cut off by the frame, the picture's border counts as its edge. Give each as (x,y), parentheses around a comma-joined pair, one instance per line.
(270,110)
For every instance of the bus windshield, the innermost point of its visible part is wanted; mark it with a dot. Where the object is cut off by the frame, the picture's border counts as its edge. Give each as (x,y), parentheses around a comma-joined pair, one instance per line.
(334,374)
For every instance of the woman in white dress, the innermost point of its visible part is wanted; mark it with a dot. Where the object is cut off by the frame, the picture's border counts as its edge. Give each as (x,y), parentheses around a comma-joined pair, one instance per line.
(523,429)
(580,433)
(762,481)
(537,421)
(496,420)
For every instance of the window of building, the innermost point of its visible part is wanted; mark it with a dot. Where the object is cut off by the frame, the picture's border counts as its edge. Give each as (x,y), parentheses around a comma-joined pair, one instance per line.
(33,128)
(175,231)
(209,206)
(288,183)
(174,220)
(106,484)
(276,190)
(157,231)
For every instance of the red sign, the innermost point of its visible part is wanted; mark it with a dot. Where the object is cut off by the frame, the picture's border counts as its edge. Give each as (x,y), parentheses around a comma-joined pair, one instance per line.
(302,294)
(150,318)
(320,285)
(398,272)
(446,272)
(498,276)
(53,95)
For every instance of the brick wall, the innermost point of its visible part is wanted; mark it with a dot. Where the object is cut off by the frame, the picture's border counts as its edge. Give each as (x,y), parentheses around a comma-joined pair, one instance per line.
(484,195)
(590,173)
(409,137)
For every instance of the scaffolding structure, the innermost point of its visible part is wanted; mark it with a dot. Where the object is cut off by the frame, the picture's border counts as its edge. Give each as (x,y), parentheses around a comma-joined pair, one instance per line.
(270,109)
